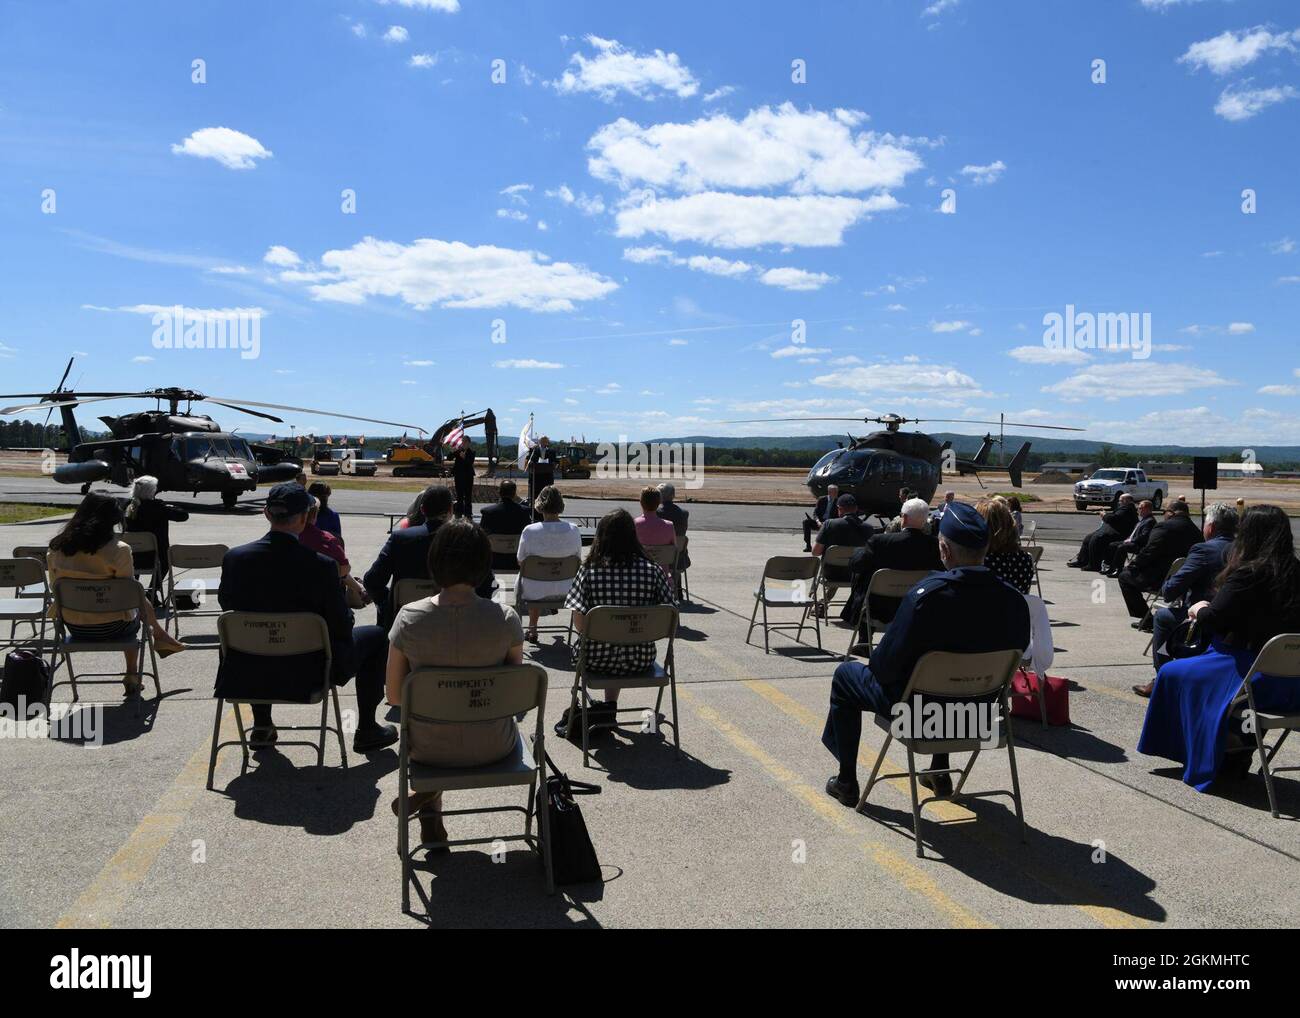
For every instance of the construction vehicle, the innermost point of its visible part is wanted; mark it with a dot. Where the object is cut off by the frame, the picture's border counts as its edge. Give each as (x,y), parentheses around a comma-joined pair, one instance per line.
(430,459)
(573,461)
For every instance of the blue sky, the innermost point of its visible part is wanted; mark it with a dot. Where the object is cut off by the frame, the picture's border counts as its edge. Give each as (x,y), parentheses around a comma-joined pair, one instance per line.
(649,200)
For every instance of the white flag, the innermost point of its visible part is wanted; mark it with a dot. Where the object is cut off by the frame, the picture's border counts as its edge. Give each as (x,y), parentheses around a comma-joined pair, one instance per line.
(527,439)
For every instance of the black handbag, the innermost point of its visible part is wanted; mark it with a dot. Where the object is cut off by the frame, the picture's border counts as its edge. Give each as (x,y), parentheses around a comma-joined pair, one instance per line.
(26,678)
(573,857)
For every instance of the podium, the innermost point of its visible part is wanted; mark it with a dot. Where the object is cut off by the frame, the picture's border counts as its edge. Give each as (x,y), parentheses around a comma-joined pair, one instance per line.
(540,474)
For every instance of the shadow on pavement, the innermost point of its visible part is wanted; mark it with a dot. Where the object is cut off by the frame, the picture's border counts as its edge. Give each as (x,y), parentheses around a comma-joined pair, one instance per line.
(321,800)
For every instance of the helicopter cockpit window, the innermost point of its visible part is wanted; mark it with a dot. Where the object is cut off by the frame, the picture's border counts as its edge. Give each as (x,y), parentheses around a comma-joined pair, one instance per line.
(197,448)
(893,470)
(873,468)
(825,459)
(239,449)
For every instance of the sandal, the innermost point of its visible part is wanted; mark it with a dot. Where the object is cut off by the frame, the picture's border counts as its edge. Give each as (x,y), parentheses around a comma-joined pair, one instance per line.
(132,685)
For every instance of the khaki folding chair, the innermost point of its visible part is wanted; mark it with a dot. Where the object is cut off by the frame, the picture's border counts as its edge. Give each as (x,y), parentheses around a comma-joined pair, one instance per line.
(664,556)
(278,634)
(468,696)
(30,604)
(1029,533)
(100,597)
(623,626)
(1155,602)
(837,556)
(140,543)
(540,567)
(962,680)
(1036,553)
(1279,658)
(889,583)
(411,589)
(681,570)
(505,545)
(40,553)
(190,558)
(788,581)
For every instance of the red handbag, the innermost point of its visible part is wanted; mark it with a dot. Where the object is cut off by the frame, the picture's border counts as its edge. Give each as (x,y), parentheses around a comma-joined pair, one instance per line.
(1024,698)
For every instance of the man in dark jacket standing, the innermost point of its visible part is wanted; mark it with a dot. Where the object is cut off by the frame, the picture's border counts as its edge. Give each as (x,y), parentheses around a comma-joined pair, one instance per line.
(1171,539)
(278,574)
(462,475)
(1115,526)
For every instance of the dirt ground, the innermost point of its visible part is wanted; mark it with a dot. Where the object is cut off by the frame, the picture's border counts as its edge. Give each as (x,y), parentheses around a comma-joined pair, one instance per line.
(784,486)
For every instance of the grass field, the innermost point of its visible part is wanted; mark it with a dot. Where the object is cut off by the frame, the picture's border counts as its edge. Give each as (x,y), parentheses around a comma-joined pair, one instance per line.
(15,512)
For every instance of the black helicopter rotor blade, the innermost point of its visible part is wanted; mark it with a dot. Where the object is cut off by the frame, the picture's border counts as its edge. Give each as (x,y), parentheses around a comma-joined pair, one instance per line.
(245,410)
(88,398)
(308,410)
(779,420)
(1009,424)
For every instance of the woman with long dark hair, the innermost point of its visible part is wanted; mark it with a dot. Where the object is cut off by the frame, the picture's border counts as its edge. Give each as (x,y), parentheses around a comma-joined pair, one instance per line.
(87,548)
(615,573)
(1257,597)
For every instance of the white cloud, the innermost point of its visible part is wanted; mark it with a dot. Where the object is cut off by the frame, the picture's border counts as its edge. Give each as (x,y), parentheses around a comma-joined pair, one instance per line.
(798,351)
(141,359)
(913,379)
(614,69)
(396,33)
(588,205)
(232,149)
(718,93)
(1231,51)
(516,192)
(278,254)
(1238,103)
(1135,379)
(1288,279)
(808,151)
(795,279)
(1280,390)
(191,314)
(1240,328)
(418,364)
(709,264)
(954,326)
(735,220)
(423,60)
(1047,355)
(938,7)
(981,175)
(515,214)
(679,342)
(896,307)
(445,6)
(1284,246)
(450,274)
(528,364)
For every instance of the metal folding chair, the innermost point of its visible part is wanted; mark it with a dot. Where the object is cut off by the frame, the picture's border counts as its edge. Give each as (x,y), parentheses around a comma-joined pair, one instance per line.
(664,556)
(469,696)
(1028,535)
(1036,553)
(884,583)
(619,625)
(958,679)
(277,635)
(788,581)
(1155,602)
(539,567)
(682,570)
(140,543)
(189,558)
(837,556)
(100,597)
(411,589)
(30,604)
(1279,658)
(507,546)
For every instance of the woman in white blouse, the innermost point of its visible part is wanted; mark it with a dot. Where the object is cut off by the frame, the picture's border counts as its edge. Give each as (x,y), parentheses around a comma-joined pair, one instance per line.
(552,538)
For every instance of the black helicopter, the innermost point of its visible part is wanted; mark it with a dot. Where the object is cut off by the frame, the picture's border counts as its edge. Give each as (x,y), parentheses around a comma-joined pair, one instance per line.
(185,451)
(875,467)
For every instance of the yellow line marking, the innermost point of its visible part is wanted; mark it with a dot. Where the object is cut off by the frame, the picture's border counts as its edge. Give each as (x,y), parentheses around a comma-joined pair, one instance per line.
(948,812)
(910,876)
(105,896)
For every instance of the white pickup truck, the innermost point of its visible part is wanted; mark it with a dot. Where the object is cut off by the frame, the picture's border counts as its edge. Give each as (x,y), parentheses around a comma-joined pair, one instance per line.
(1107,485)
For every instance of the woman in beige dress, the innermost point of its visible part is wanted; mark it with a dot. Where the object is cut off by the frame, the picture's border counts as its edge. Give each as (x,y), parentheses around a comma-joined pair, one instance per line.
(454,629)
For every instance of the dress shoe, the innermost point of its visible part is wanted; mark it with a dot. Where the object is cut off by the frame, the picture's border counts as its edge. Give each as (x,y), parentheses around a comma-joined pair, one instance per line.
(1074,563)
(1141,625)
(939,784)
(262,738)
(845,791)
(367,740)
(1144,690)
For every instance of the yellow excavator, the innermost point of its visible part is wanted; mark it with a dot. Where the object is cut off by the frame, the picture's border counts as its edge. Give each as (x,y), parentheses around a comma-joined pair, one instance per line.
(428,459)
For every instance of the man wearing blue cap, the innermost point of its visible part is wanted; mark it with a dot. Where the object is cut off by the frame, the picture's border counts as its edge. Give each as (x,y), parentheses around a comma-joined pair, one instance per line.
(279,574)
(966,609)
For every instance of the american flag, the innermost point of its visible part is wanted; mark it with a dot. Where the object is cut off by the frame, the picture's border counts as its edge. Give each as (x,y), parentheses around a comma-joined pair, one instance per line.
(457,436)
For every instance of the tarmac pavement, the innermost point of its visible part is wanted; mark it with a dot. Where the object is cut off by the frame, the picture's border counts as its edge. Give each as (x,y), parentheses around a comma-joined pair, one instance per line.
(736,831)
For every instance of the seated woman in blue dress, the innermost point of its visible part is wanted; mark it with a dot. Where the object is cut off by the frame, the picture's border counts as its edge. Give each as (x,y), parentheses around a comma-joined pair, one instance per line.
(1257,597)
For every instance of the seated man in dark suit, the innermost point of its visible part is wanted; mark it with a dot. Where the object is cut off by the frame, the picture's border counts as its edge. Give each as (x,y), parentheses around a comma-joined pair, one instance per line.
(849,527)
(1114,559)
(1114,527)
(405,556)
(1194,581)
(964,610)
(911,547)
(278,574)
(822,511)
(1171,539)
(508,516)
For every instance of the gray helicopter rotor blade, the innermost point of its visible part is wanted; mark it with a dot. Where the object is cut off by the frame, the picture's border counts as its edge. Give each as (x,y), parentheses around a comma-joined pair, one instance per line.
(308,410)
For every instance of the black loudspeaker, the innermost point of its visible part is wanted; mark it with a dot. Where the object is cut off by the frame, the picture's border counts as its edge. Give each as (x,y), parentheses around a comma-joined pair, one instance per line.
(1205,473)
